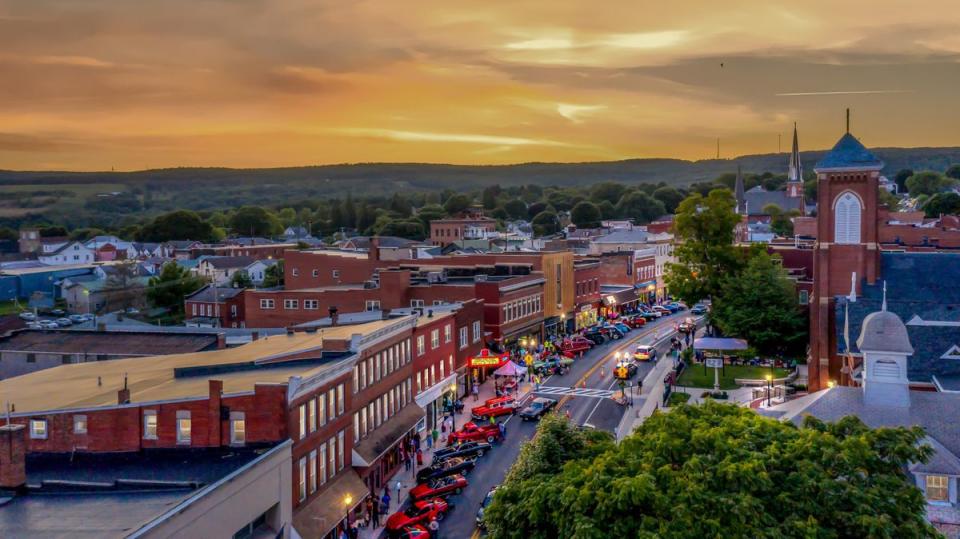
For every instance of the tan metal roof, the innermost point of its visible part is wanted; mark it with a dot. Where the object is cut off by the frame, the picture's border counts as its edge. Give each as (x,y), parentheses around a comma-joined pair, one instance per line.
(152,378)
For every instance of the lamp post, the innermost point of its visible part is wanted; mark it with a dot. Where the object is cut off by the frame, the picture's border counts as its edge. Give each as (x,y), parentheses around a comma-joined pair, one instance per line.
(347,500)
(453,413)
(769,385)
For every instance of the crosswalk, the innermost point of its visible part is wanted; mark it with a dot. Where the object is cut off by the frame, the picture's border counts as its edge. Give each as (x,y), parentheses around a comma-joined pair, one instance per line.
(574,391)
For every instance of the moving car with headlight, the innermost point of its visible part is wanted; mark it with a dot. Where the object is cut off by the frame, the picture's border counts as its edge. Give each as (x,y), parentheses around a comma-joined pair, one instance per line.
(537,408)
(645,352)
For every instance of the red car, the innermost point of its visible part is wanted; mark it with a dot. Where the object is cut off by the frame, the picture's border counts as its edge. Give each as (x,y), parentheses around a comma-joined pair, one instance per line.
(494,407)
(576,346)
(413,532)
(472,431)
(445,486)
(421,512)
(635,321)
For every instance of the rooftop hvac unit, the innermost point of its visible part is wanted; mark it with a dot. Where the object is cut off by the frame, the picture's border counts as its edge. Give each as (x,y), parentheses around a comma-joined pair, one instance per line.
(436,277)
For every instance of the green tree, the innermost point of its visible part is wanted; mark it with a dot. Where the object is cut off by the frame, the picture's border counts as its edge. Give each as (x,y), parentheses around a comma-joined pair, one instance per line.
(607,210)
(8,234)
(718,470)
(611,191)
(400,205)
(953,172)
(671,197)
(942,204)
(84,234)
(52,231)
(516,208)
(274,275)
(241,279)
(349,212)
(430,212)
(402,228)
(705,252)
(176,225)
(888,199)
(254,221)
(545,223)
(760,305)
(174,282)
(640,207)
(457,204)
(489,197)
(287,217)
(585,215)
(901,179)
(928,183)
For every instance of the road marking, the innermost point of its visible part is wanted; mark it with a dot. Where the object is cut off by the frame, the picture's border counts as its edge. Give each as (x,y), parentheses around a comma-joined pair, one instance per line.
(574,391)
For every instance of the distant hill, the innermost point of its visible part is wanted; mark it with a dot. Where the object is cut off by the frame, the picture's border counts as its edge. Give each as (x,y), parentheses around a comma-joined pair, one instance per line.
(80,198)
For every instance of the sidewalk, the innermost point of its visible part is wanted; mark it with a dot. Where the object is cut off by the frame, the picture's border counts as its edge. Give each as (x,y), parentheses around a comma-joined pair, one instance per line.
(408,480)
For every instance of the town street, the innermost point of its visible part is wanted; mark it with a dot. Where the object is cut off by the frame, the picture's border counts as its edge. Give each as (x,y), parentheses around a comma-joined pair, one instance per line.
(597,412)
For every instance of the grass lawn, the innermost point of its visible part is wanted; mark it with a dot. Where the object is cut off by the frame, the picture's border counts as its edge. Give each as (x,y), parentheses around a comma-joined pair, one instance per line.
(694,375)
(9,307)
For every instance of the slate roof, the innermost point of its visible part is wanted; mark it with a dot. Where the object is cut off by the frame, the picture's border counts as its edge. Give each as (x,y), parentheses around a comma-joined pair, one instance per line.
(624,236)
(101,342)
(850,153)
(221,262)
(206,294)
(758,198)
(922,290)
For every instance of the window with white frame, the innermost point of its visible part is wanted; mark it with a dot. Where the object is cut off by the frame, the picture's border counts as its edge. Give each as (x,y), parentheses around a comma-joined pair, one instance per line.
(312,472)
(356,427)
(476,330)
(321,410)
(311,304)
(238,428)
(266,304)
(315,273)
(150,424)
(421,348)
(331,455)
(303,479)
(79,424)
(340,448)
(38,429)
(331,404)
(291,304)
(846,215)
(335,274)
(303,421)
(419,383)
(184,427)
(295,272)
(340,403)
(447,333)
(938,488)
(435,339)
(416,303)
(312,414)
(464,337)
(322,462)
(372,305)
(438,302)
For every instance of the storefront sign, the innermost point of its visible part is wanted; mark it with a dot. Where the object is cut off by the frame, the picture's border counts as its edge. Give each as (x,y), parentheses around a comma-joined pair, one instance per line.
(493,361)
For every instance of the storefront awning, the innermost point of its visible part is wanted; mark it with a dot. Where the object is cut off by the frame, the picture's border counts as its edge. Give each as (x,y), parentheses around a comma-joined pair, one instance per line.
(719,343)
(552,321)
(368,450)
(435,391)
(618,296)
(323,513)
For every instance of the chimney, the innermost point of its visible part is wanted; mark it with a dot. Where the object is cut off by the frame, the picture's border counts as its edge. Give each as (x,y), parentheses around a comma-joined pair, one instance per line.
(385,314)
(214,419)
(430,313)
(374,253)
(13,456)
(254,335)
(334,316)
(221,341)
(123,396)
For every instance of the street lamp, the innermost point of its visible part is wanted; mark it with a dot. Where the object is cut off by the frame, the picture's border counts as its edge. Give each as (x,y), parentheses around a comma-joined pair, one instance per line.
(453,414)
(769,384)
(347,500)
(831,383)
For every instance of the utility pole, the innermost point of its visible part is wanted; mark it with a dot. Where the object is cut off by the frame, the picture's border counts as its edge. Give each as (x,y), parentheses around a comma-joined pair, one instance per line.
(778,143)
(718,147)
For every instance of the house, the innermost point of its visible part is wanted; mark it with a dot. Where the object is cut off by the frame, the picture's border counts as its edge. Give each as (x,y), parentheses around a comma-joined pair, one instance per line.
(257,270)
(220,269)
(885,399)
(214,307)
(444,231)
(98,295)
(296,233)
(68,253)
(181,249)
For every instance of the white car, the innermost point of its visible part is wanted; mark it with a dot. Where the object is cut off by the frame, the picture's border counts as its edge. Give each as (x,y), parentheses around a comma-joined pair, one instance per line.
(63,322)
(34,325)
(48,324)
(77,318)
(28,316)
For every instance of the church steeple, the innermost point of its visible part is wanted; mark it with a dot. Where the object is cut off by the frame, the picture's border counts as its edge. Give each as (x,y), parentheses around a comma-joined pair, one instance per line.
(795,172)
(739,194)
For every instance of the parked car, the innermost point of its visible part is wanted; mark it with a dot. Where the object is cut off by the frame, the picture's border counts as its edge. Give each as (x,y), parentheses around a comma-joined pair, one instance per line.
(483,505)
(58,312)
(688,325)
(635,320)
(48,324)
(645,352)
(552,364)
(537,408)
(77,318)
(662,310)
(699,308)
(576,345)
(472,431)
(63,322)
(420,512)
(88,317)
(415,531)
(464,450)
(624,328)
(595,334)
(28,316)
(452,466)
(494,407)
(442,487)
(612,332)
(133,310)
(649,314)
(625,370)
(34,325)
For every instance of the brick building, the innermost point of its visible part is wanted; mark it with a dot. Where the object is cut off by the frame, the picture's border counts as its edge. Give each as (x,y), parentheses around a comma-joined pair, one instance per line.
(215,306)
(587,274)
(344,395)
(446,231)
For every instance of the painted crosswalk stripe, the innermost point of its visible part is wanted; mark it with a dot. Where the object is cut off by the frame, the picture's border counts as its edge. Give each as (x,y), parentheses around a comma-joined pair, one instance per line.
(574,391)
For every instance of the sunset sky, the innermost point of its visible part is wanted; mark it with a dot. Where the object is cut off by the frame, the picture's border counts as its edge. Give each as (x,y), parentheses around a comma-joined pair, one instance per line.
(132,84)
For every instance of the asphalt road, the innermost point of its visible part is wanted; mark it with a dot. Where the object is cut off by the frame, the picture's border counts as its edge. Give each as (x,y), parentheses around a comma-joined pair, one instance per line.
(601,413)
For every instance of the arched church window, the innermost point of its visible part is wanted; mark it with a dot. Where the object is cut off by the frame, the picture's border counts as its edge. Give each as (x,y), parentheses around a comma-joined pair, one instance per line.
(847,212)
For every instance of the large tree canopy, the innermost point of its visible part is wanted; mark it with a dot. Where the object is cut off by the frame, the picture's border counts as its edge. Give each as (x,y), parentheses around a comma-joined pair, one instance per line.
(177,225)
(173,283)
(705,252)
(254,221)
(640,207)
(928,183)
(585,215)
(715,470)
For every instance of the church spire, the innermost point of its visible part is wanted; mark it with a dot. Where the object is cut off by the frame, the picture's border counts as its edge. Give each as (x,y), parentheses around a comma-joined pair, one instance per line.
(795,172)
(738,193)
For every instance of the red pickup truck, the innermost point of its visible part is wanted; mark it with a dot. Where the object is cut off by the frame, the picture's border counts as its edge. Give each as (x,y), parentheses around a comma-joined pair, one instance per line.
(494,407)
(472,431)
(576,346)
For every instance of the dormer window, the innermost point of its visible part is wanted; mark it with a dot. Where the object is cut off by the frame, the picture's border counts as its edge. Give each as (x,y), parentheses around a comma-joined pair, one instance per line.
(846,214)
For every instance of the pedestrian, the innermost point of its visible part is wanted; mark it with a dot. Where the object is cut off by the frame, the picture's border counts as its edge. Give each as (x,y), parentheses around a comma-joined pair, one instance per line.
(503,429)
(419,457)
(429,442)
(370,509)
(476,392)
(385,499)
(354,531)
(567,413)
(375,513)
(434,529)
(493,420)
(398,486)
(343,533)
(435,434)
(403,458)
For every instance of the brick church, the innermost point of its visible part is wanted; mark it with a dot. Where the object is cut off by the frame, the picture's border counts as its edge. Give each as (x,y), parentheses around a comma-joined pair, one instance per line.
(858,269)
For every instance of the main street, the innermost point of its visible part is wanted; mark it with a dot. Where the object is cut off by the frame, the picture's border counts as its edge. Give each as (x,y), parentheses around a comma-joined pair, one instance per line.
(598,412)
